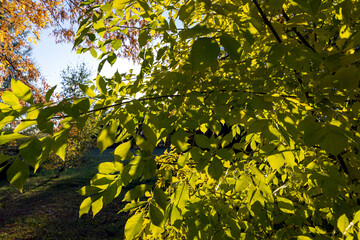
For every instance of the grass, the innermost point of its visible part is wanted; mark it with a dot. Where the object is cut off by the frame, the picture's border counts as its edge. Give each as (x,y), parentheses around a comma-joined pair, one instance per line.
(48,208)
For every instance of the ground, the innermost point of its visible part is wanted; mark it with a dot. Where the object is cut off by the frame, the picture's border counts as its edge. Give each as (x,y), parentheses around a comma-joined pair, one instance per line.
(48,208)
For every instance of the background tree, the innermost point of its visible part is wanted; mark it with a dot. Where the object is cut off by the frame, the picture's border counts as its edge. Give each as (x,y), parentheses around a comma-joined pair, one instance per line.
(80,141)
(21,23)
(261,100)
(72,77)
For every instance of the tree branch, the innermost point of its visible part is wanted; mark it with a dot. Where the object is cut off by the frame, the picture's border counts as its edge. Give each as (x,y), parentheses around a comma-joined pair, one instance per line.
(267,22)
(301,37)
(106,107)
(154,98)
(342,164)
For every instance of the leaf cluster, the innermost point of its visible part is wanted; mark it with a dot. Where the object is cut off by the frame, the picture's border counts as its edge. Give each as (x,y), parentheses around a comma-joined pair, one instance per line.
(260,101)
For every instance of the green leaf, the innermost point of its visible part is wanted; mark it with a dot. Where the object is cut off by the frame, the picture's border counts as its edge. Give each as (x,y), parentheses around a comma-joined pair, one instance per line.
(132,205)
(196,31)
(85,206)
(116,44)
(88,91)
(204,53)
(182,160)
(302,237)
(216,168)
(120,4)
(356,217)
(342,223)
(186,10)
(156,215)
(17,174)
(61,150)
(111,60)
(107,136)
(24,125)
(94,53)
(314,6)
(224,154)
(179,139)
(5,138)
(311,6)
(276,53)
(347,78)
(330,138)
(160,198)
(334,140)
(10,98)
(181,195)
(101,84)
(30,152)
(136,192)
(202,141)
(121,151)
(134,226)
(4,158)
(149,168)
(143,37)
(276,161)
(231,45)
(149,134)
(97,205)
(175,214)
(49,93)
(172,25)
(110,167)
(286,205)
(242,183)
(89,190)
(21,91)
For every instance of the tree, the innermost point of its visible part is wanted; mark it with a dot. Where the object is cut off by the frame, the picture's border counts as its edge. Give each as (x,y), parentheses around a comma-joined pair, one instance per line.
(72,78)
(21,23)
(262,104)
(79,140)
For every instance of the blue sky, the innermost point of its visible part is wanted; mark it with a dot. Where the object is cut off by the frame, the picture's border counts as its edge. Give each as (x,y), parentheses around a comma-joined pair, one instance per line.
(51,58)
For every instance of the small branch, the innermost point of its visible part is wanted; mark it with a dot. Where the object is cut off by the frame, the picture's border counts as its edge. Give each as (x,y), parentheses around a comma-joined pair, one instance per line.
(106,107)
(348,227)
(316,195)
(154,98)
(267,22)
(342,163)
(279,188)
(147,28)
(301,37)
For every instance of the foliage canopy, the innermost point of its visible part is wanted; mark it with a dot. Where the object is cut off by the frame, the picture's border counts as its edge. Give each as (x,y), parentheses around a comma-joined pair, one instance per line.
(261,101)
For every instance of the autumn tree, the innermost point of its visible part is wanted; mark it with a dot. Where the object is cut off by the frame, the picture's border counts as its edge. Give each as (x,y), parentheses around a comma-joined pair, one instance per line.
(21,23)
(261,99)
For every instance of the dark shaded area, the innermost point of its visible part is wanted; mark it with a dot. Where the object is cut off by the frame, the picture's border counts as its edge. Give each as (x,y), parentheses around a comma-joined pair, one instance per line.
(49,209)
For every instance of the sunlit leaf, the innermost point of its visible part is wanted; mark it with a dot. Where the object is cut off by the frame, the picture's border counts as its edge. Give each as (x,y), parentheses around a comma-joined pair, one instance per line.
(21,91)
(342,223)
(133,225)
(17,174)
